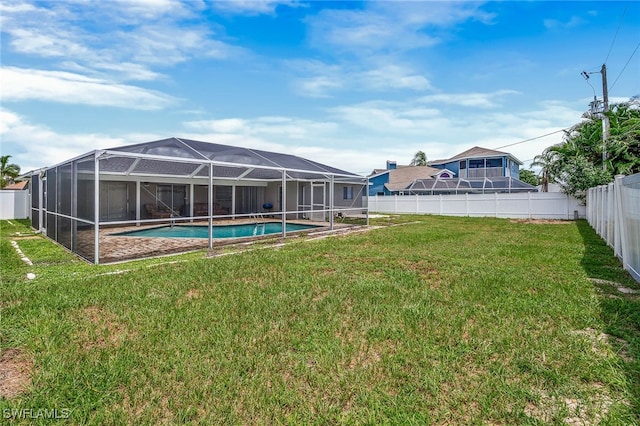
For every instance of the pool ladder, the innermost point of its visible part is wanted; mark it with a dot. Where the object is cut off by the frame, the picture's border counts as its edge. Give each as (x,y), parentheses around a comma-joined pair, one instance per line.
(259,218)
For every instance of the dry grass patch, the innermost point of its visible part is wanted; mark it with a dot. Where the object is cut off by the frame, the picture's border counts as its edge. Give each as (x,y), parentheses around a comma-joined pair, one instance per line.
(16,368)
(584,411)
(99,328)
(543,221)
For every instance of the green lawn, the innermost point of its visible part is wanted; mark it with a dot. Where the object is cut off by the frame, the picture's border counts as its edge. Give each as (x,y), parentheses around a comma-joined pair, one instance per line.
(435,321)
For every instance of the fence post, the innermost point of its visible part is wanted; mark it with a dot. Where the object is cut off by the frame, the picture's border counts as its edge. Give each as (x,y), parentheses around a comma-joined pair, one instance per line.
(611,216)
(621,246)
(417,204)
(466,203)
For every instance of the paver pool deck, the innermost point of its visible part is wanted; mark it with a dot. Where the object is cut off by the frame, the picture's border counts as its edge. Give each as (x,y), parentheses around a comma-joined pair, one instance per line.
(116,248)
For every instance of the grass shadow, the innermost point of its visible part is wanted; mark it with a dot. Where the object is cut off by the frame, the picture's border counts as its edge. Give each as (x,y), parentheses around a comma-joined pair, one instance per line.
(619,308)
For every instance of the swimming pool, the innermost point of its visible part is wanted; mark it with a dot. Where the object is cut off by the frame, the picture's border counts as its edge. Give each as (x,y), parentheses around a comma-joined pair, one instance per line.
(219,231)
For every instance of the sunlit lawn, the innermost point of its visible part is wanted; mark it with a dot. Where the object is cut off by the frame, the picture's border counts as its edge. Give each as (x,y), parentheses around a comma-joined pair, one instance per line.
(438,320)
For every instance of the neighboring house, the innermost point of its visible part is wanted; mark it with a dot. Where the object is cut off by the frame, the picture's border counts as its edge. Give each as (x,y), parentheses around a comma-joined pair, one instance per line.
(477,170)
(395,178)
(479,163)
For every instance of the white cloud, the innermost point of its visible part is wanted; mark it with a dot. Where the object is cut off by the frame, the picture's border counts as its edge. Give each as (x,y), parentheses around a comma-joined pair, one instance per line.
(63,87)
(389,26)
(227,125)
(394,77)
(472,100)
(572,22)
(33,146)
(321,80)
(116,71)
(357,137)
(317,87)
(139,33)
(252,7)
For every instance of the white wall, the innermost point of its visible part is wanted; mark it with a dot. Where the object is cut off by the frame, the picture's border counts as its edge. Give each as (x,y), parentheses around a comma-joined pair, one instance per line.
(14,204)
(529,205)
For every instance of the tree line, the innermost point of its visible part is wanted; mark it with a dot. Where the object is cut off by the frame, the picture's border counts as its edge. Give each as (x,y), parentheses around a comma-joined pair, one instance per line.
(582,161)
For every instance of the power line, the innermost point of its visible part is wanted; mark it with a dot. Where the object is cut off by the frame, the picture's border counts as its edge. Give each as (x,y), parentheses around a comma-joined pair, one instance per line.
(616,34)
(532,139)
(625,65)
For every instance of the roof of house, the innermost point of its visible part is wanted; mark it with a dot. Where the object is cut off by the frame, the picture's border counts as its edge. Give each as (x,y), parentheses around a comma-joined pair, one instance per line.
(18,185)
(403,176)
(476,152)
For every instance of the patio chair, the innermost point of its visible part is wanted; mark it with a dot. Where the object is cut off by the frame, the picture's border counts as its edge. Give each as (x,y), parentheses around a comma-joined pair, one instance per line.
(156,213)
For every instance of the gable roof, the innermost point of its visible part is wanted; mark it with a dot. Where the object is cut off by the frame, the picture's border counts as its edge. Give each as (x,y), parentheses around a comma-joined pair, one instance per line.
(477,152)
(403,176)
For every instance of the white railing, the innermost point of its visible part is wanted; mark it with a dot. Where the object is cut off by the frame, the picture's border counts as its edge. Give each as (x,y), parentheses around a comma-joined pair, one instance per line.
(528,205)
(613,211)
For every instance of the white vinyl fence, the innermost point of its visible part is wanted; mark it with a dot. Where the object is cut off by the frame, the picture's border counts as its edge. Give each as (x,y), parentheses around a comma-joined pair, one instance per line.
(614,212)
(14,204)
(528,205)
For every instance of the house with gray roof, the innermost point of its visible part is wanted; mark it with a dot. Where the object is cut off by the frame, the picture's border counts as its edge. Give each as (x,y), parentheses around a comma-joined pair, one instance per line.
(479,163)
(476,170)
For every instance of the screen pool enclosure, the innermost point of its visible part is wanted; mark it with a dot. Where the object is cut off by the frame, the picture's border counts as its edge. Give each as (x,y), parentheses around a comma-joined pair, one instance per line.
(79,202)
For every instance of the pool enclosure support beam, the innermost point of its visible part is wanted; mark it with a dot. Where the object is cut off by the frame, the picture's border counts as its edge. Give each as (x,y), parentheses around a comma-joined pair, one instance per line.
(331,192)
(210,206)
(191,194)
(284,203)
(138,202)
(40,201)
(233,201)
(367,192)
(74,206)
(96,209)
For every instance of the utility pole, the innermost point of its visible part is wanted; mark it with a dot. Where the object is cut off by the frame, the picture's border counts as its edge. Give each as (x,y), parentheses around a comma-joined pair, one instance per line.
(595,109)
(605,117)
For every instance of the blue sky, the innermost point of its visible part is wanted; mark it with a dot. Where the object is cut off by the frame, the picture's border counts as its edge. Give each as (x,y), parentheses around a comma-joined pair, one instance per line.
(350,84)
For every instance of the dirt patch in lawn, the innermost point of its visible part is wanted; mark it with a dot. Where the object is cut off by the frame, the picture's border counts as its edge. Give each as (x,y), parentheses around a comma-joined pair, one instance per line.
(15,373)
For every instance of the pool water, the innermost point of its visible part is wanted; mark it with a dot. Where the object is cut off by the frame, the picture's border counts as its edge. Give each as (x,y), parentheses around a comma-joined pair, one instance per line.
(219,231)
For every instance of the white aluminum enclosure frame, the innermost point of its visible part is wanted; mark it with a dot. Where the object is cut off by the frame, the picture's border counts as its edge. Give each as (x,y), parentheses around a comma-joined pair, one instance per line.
(99,174)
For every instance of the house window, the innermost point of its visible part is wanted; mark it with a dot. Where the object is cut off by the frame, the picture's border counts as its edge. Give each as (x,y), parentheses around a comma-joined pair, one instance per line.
(347,193)
(494,162)
(476,164)
(445,175)
(463,165)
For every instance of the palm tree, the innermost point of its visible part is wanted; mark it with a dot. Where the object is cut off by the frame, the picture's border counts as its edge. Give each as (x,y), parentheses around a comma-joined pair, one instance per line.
(623,144)
(420,159)
(546,162)
(8,171)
